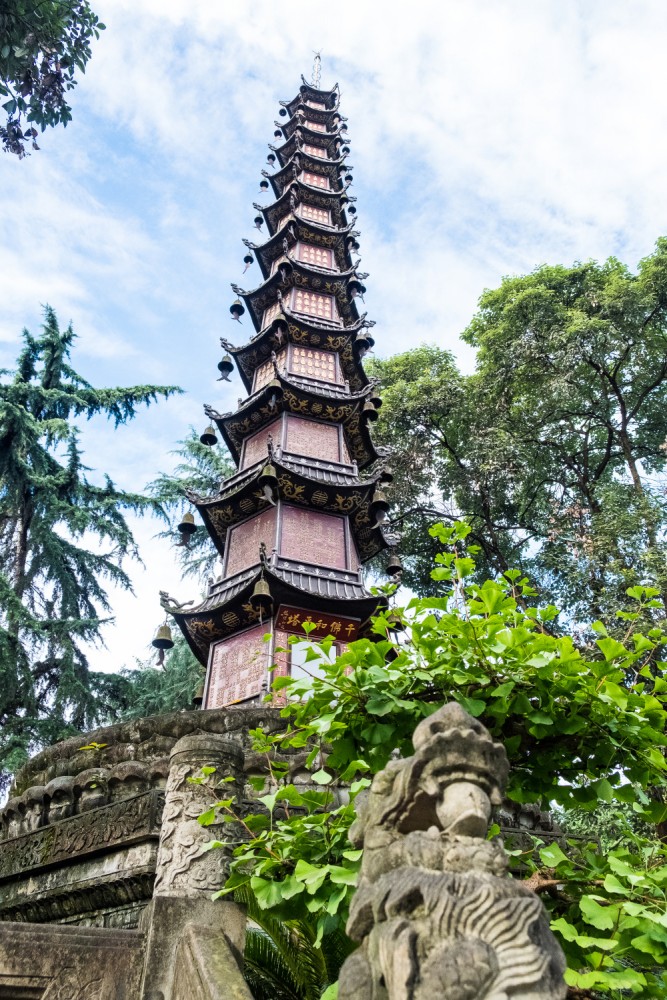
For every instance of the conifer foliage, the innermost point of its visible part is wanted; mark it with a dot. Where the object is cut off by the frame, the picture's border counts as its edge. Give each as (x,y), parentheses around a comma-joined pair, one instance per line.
(63,538)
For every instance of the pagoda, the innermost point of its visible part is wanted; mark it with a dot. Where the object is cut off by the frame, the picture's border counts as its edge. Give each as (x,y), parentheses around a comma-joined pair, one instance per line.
(306,508)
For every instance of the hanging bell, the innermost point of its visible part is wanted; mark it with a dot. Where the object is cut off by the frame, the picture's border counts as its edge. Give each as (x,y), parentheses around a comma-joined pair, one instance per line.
(259,221)
(236,309)
(348,178)
(355,287)
(394,565)
(285,269)
(345,150)
(352,244)
(226,366)
(268,477)
(261,599)
(271,158)
(352,210)
(263,186)
(343,127)
(163,639)
(276,393)
(362,344)
(278,133)
(386,476)
(186,529)
(395,622)
(377,403)
(248,260)
(198,696)
(368,412)
(379,507)
(282,112)
(209,437)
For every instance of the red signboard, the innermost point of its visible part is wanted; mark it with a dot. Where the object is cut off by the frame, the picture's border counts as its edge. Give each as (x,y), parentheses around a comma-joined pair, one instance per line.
(313,537)
(238,668)
(292,619)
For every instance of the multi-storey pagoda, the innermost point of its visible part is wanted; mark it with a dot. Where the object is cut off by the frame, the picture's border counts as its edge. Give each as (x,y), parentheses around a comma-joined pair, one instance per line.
(306,508)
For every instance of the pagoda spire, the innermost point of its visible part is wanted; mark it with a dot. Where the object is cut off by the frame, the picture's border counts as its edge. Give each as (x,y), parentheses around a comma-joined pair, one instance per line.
(306,508)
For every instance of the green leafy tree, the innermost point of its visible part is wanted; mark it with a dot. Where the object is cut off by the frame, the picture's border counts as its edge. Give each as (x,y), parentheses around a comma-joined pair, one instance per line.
(554,448)
(201,468)
(582,725)
(42,46)
(62,538)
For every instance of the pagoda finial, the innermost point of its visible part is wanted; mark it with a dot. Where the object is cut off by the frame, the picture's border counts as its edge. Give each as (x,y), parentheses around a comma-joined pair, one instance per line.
(317,70)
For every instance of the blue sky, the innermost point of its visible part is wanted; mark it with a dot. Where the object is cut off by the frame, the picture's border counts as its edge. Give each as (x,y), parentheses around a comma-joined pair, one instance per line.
(487,137)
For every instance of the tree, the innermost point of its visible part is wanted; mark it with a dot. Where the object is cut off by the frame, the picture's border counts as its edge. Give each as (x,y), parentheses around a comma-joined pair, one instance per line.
(582,725)
(554,448)
(202,469)
(62,537)
(42,46)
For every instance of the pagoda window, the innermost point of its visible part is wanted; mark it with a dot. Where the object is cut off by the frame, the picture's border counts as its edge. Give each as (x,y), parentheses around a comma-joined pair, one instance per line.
(270,314)
(321,215)
(311,363)
(265,372)
(319,256)
(316,151)
(315,180)
(317,105)
(311,536)
(314,304)
(255,448)
(315,126)
(244,540)
(312,439)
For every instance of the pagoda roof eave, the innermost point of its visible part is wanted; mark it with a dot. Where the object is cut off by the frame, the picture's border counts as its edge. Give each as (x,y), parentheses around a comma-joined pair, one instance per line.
(227,611)
(286,154)
(304,230)
(321,282)
(297,194)
(282,178)
(299,331)
(256,412)
(321,490)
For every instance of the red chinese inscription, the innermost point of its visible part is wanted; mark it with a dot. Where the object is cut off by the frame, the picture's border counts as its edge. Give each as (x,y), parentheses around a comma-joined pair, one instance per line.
(292,620)
(256,446)
(308,437)
(313,537)
(238,668)
(244,540)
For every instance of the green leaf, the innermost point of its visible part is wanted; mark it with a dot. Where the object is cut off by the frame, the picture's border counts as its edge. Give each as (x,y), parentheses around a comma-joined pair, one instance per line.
(322,777)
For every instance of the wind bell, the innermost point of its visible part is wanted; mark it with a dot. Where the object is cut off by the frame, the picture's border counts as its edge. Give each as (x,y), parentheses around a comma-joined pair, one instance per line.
(162,641)
(259,221)
(268,481)
(236,309)
(226,366)
(248,260)
(186,528)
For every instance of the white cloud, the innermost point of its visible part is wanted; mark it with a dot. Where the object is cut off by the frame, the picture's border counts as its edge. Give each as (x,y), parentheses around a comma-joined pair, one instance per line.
(487,138)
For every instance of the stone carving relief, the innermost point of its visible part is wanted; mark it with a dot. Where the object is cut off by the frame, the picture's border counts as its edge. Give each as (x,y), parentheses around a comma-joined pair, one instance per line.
(435,912)
(184,866)
(101,827)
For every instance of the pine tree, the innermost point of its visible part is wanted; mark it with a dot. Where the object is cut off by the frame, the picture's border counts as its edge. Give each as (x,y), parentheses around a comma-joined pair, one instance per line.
(62,539)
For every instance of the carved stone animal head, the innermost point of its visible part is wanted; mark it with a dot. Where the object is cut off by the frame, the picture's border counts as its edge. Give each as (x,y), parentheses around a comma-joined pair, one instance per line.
(12,816)
(128,779)
(59,798)
(33,800)
(92,788)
